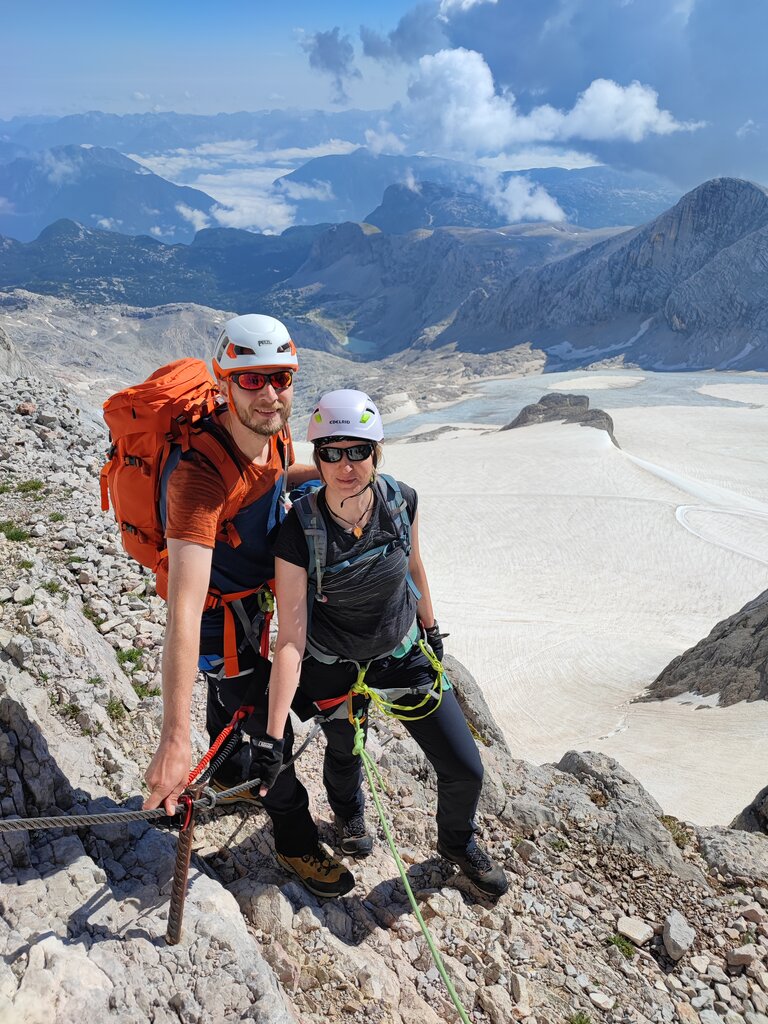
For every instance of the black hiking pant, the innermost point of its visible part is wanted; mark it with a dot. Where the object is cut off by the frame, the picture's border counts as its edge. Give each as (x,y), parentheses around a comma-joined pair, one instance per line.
(443,736)
(287,802)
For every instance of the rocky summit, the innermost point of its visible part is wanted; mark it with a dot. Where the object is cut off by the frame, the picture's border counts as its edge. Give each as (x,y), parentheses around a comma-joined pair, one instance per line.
(616,912)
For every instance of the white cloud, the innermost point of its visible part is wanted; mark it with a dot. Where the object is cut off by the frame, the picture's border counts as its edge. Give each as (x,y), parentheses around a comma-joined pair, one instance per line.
(538,156)
(410,182)
(749,127)
(453,98)
(58,169)
(256,213)
(448,7)
(157,231)
(107,223)
(383,141)
(181,165)
(321,190)
(140,97)
(240,177)
(520,199)
(607,110)
(6,206)
(197,218)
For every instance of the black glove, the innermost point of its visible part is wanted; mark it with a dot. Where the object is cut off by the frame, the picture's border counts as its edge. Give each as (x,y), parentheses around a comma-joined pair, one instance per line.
(435,640)
(266,759)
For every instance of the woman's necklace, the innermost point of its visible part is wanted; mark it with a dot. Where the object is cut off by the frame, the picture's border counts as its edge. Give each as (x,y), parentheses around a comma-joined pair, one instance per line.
(357,529)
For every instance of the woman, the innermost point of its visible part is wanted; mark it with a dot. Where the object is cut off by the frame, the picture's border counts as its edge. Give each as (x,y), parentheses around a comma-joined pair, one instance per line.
(365,602)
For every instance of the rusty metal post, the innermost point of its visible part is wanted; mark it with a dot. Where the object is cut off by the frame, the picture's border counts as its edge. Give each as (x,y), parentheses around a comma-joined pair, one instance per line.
(181,870)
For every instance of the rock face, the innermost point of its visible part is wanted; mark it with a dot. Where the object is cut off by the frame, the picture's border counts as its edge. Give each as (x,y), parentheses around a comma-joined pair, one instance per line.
(754,817)
(12,363)
(732,661)
(398,290)
(589,854)
(668,295)
(564,408)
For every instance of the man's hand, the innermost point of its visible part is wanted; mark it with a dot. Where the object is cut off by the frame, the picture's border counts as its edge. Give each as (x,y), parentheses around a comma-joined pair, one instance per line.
(266,761)
(167,774)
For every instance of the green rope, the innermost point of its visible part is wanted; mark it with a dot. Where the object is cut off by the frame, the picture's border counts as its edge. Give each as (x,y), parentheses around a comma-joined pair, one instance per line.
(390,708)
(372,771)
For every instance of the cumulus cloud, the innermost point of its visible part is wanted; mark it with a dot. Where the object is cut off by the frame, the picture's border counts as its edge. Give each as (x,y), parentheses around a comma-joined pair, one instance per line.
(197,218)
(262,213)
(333,54)
(141,97)
(454,96)
(107,223)
(519,199)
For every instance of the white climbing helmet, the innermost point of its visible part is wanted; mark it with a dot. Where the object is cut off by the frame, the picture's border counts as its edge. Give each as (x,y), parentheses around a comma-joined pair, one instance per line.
(345,414)
(251,341)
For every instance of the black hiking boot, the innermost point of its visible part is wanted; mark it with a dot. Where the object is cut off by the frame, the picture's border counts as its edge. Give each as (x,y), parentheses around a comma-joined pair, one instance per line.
(354,838)
(486,876)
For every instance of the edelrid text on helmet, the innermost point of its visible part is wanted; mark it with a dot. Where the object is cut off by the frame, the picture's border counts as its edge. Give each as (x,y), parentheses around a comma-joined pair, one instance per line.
(345,413)
(253,341)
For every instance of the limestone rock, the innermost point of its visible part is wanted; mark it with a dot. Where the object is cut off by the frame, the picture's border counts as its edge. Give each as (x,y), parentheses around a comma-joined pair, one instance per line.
(678,935)
(635,930)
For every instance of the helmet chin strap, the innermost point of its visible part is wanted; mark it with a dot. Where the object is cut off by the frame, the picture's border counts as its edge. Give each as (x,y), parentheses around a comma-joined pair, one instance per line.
(361,491)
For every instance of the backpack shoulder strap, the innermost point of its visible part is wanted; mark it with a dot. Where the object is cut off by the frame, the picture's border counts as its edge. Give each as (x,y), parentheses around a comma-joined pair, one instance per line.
(307,509)
(213,444)
(389,489)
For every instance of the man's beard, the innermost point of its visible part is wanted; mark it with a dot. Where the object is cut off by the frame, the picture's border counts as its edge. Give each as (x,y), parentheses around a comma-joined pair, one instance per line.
(259,425)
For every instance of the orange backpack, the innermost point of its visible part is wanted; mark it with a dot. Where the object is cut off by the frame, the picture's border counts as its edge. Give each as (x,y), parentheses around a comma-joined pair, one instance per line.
(145,421)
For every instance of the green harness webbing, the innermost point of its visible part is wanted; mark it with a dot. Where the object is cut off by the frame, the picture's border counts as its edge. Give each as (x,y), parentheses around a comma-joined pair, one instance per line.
(390,707)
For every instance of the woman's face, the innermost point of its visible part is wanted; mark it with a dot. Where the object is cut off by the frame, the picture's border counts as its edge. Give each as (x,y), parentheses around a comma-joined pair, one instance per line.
(347,476)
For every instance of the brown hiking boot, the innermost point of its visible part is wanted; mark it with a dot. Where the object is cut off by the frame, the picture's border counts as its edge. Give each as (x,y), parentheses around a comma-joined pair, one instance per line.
(321,874)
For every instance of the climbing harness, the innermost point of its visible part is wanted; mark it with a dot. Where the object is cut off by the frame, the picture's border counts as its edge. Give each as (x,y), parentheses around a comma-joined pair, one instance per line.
(372,774)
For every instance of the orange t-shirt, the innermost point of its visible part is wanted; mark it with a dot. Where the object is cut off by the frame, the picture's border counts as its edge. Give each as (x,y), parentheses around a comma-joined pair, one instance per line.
(196,495)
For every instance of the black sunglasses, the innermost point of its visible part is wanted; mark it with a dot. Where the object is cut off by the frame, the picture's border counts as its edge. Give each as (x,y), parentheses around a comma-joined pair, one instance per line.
(251,380)
(355,453)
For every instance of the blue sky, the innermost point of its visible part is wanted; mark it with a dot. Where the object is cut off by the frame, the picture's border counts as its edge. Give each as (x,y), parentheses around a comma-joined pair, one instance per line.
(674,86)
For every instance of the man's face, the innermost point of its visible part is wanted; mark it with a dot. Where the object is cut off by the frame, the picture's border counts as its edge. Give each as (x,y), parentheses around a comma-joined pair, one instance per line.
(265,411)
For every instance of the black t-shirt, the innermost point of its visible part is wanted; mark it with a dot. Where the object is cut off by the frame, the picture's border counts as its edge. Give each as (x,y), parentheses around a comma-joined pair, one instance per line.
(369,604)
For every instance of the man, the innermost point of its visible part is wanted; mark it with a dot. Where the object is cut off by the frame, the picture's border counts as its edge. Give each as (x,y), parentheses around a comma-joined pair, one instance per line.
(254,361)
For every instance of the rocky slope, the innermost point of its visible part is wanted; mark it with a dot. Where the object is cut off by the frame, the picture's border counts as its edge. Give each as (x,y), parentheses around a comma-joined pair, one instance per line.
(397,291)
(615,913)
(731,662)
(685,291)
(98,349)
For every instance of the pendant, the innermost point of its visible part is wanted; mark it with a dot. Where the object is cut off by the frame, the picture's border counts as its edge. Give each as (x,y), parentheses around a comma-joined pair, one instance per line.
(357,532)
